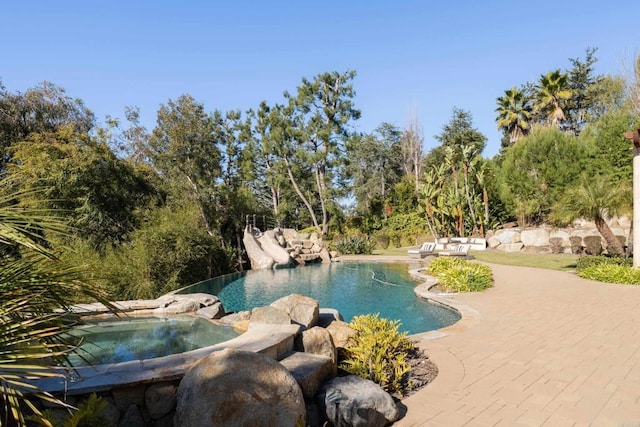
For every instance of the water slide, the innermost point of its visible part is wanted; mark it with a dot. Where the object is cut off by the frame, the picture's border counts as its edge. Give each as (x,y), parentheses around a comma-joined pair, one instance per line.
(264,251)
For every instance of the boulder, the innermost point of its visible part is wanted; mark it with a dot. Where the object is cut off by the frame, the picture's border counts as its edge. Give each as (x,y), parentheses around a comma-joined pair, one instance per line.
(215,311)
(353,401)
(123,397)
(534,237)
(340,333)
(110,412)
(318,341)
(510,247)
(508,236)
(132,418)
(269,315)
(187,303)
(301,309)
(232,318)
(238,388)
(160,399)
(310,371)
(493,242)
(563,235)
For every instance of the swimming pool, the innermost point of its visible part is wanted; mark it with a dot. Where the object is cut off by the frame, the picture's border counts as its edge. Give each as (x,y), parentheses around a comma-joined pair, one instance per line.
(351,288)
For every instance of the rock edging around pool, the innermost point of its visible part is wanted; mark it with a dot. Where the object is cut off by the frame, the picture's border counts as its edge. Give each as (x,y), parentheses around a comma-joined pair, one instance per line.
(468,316)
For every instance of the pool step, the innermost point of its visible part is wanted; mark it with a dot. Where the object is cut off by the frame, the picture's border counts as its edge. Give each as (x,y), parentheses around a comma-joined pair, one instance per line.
(309,370)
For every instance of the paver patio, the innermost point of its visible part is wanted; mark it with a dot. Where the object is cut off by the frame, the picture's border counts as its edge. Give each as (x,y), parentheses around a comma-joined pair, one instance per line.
(548,349)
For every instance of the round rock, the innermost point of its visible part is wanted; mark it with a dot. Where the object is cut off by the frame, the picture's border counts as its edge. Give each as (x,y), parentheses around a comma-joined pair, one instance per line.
(239,388)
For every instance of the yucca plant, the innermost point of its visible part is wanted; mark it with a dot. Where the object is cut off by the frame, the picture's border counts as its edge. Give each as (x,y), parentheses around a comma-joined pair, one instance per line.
(36,290)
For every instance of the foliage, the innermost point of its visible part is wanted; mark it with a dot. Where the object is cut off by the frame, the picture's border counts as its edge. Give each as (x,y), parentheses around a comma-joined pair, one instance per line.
(595,198)
(379,352)
(100,193)
(353,244)
(36,290)
(171,251)
(611,148)
(458,275)
(45,108)
(535,172)
(584,262)
(403,227)
(373,167)
(86,415)
(514,114)
(611,273)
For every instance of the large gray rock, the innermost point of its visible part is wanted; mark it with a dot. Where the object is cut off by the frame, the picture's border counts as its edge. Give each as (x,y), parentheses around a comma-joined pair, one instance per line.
(132,418)
(302,309)
(269,315)
(510,247)
(238,388)
(123,397)
(160,399)
(215,311)
(534,237)
(563,235)
(318,341)
(340,333)
(493,242)
(187,303)
(310,371)
(508,236)
(360,403)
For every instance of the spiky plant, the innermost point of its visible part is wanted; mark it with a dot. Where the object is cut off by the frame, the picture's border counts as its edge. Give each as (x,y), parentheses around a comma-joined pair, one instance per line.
(36,291)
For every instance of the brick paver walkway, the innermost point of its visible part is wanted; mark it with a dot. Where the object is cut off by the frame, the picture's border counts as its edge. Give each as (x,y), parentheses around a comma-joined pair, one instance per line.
(549,349)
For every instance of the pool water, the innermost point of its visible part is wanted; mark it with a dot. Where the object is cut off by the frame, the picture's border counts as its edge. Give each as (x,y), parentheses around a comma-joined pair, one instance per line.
(134,338)
(351,288)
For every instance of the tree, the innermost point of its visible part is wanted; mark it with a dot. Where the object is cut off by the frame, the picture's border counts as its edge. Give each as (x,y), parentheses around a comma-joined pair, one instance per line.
(595,198)
(323,109)
(78,174)
(182,148)
(374,166)
(552,92)
(44,108)
(535,171)
(411,143)
(514,114)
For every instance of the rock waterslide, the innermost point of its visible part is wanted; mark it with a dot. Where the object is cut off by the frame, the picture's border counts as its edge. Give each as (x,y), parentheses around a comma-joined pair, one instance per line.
(280,248)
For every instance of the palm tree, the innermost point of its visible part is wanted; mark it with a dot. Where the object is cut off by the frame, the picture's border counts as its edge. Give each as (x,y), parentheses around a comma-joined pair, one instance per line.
(595,199)
(514,114)
(551,92)
(36,291)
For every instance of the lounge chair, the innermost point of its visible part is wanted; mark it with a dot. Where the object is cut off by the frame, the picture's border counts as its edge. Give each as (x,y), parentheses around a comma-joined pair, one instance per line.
(427,248)
(458,250)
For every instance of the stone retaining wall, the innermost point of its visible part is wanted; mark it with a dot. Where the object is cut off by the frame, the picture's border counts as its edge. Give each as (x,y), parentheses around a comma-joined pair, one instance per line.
(582,238)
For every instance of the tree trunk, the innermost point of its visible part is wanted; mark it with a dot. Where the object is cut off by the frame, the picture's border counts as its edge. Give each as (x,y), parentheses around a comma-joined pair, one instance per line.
(304,199)
(613,244)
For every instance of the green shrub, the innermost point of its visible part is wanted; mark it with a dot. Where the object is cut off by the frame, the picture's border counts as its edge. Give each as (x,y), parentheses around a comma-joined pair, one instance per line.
(458,275)
(354,244)
(88,414)
(589,261)
(379,352)
(611,273)
(383,240)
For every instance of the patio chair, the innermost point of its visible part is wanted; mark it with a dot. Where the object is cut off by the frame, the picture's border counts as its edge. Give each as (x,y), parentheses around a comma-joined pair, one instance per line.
(427,248)
(458,250)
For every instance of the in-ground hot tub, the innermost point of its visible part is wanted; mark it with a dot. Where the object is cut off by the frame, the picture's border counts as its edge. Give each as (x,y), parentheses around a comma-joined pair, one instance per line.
(115,340)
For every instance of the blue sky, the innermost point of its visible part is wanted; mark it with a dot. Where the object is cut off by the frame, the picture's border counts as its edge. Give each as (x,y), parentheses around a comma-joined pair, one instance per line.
(418,56)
